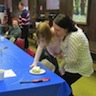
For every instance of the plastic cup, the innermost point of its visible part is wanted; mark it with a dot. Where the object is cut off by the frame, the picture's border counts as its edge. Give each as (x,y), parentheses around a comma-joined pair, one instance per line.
(2,39)
(2,74)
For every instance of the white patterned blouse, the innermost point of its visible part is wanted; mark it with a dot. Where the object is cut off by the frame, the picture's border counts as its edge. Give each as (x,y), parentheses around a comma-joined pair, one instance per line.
(77,57)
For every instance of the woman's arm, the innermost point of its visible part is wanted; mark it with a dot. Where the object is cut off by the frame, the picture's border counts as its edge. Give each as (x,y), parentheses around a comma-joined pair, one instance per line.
(72,50)
(15,33)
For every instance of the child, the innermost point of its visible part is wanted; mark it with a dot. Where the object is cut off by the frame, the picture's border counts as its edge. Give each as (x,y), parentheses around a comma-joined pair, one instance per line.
(46,40)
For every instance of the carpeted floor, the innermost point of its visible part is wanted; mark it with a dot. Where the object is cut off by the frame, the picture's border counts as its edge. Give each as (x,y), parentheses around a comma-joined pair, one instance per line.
(85,86)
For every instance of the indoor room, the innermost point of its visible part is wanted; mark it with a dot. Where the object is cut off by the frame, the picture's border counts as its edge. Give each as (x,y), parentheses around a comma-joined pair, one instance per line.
(47,47)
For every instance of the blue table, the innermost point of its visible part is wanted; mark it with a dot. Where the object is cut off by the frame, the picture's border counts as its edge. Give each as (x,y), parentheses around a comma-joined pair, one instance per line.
(16,59)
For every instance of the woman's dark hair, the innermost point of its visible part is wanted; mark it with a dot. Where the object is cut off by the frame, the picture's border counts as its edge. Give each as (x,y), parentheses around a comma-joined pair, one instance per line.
(65,22)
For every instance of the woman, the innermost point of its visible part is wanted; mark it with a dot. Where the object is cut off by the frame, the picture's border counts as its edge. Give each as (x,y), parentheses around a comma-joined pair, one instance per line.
(14,31)
(77,60)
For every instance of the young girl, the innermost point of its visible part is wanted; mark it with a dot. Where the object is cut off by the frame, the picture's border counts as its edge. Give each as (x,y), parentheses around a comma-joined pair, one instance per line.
(49,42)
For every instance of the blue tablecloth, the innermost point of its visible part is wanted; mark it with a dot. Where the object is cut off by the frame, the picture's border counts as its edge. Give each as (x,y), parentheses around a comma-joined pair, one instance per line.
(16,59)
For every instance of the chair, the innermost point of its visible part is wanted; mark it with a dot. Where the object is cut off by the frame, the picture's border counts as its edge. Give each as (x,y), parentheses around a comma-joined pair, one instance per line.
(30,52)
(48,64)
(20,43)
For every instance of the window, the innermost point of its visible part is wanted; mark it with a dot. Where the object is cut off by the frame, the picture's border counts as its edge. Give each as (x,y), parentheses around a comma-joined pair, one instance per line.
(52,4)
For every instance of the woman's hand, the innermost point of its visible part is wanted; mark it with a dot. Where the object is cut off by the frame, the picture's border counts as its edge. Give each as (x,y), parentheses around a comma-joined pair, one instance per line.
(62,71)
(60,55)
(5,36)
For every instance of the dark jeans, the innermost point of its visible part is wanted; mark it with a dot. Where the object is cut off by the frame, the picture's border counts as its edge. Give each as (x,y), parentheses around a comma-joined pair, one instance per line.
(70,78)
(25,36)
(45,55)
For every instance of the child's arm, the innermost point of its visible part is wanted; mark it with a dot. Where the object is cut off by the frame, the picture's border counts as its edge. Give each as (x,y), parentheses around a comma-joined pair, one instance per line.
(37,55)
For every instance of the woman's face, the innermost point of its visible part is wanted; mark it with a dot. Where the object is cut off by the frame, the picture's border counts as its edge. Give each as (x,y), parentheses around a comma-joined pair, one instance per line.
(59,31)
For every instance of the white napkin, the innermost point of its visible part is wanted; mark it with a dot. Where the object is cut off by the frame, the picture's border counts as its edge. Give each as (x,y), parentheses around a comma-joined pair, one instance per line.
(9,73)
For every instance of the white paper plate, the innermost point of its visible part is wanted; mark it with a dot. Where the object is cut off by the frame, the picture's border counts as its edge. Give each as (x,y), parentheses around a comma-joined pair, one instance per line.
(42,71)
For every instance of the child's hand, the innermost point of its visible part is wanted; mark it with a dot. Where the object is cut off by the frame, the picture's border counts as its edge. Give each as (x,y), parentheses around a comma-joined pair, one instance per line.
(32,65)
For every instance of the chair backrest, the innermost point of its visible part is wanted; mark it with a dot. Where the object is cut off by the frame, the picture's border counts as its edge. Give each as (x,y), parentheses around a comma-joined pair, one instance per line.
(20,43)
(30,52)
(48,64)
